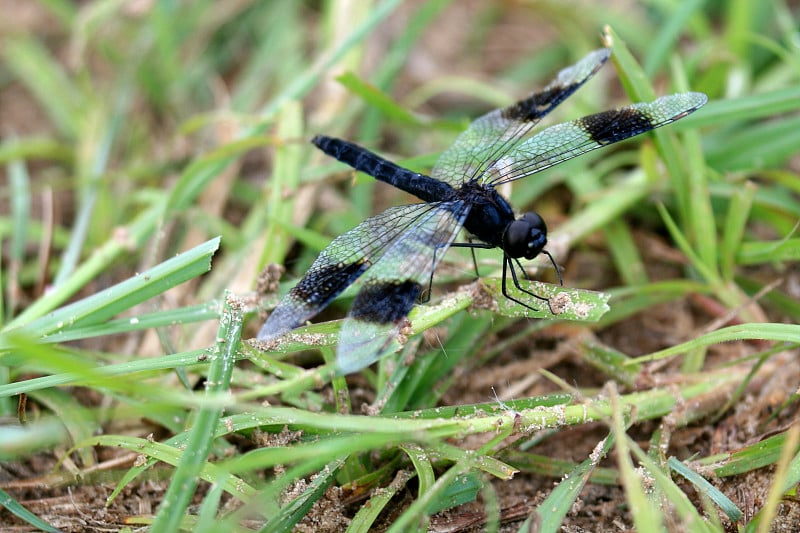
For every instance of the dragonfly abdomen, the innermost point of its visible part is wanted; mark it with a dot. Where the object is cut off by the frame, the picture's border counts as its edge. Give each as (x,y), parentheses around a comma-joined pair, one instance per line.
(422,186)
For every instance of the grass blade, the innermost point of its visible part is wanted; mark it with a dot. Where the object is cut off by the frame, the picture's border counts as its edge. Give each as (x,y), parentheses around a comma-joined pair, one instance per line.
(728,507)
(112,301)
(556,506)
(181,488)
(21,512)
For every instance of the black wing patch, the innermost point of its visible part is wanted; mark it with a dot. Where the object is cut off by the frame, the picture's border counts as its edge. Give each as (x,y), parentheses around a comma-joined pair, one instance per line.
(498,131)
(565,141)
(341,263)
(392,285)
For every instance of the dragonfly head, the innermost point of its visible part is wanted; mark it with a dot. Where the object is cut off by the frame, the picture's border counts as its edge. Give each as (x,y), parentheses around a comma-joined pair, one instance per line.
(525,237)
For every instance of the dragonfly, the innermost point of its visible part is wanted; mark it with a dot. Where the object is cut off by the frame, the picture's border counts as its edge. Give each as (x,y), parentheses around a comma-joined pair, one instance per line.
(396,252)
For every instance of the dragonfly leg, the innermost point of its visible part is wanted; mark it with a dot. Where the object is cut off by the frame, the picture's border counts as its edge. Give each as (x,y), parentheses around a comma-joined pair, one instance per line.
(474,259)
(524,271)
(472,246)
(508,265)
(425,296)
(555,265)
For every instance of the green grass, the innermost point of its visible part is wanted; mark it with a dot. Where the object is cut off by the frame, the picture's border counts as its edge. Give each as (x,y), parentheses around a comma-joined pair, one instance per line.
(165,163)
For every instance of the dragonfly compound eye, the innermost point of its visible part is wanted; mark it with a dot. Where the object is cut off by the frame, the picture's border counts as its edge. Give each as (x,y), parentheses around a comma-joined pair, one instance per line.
(525,237)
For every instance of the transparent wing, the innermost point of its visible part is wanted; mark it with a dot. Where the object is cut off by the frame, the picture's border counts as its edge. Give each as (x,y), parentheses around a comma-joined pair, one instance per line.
(498,131)
(339,265)
(561,142)
(393,284)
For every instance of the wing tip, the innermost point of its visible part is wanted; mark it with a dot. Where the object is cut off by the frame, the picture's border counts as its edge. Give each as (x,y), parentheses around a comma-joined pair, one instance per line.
(577,74)
(602,53)
(685,103)
(279,323)
(362,343)
(700,99)
(268,333)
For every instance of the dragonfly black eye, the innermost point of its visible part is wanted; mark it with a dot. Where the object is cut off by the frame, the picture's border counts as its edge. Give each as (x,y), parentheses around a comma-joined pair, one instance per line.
(525,237)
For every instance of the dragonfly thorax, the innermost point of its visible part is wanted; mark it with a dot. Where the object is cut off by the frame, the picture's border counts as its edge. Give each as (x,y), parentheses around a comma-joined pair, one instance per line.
(525,237)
